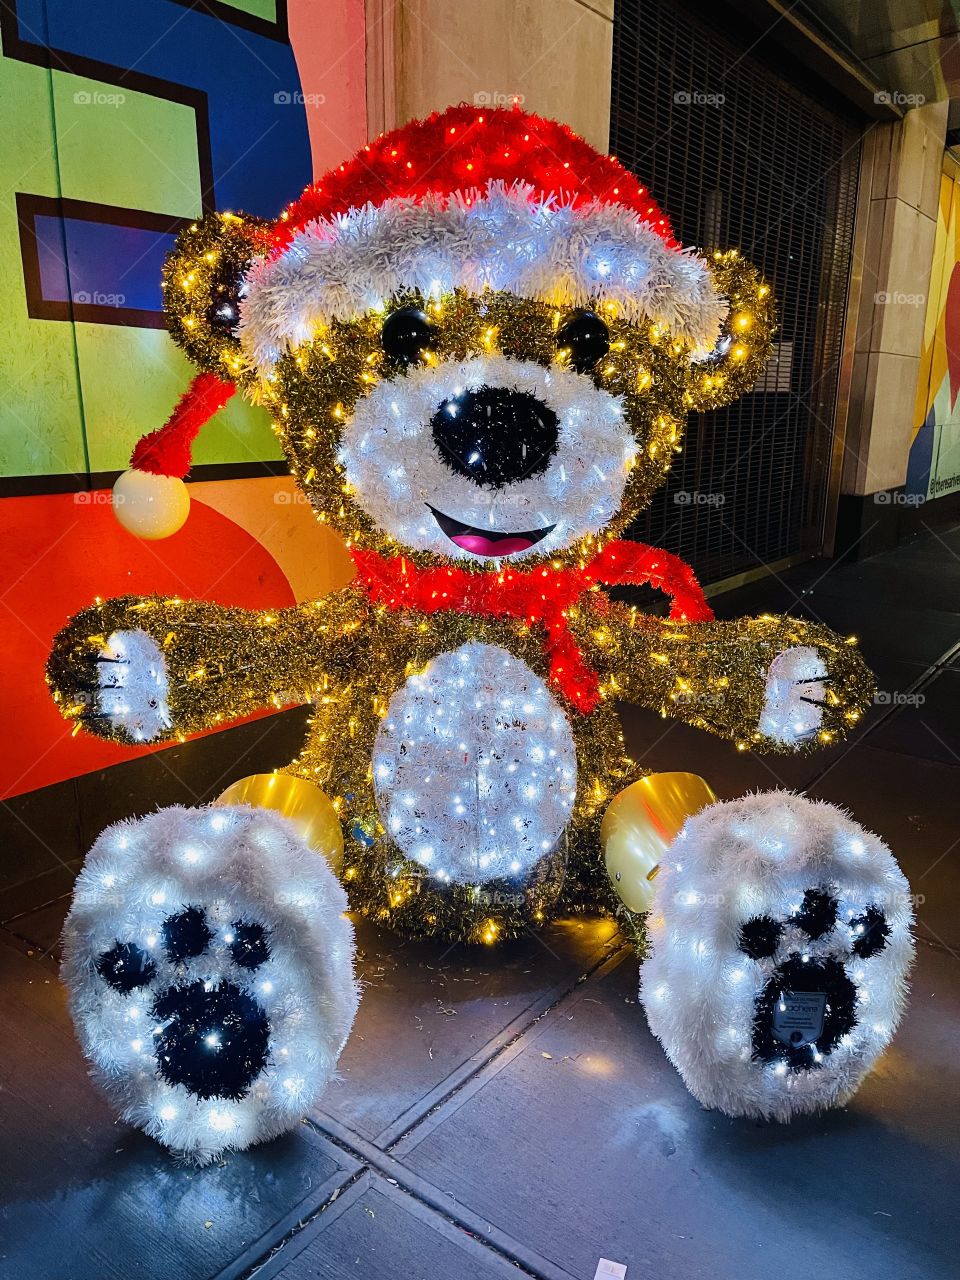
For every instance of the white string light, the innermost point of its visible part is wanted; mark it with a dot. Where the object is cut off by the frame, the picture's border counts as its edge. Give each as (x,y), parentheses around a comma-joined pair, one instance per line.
(795,696)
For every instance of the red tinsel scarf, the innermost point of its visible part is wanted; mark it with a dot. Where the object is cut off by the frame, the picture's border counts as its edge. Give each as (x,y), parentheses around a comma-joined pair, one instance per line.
(541,597)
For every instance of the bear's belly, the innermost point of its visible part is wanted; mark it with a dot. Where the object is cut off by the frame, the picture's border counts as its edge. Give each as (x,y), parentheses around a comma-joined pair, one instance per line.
(475,767)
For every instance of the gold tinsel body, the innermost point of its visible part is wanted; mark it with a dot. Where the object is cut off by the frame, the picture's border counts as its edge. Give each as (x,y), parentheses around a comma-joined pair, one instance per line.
(347,658)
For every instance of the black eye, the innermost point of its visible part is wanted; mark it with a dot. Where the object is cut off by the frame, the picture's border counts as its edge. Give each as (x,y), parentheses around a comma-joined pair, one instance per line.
(226,290)
(585,336)
(407,333)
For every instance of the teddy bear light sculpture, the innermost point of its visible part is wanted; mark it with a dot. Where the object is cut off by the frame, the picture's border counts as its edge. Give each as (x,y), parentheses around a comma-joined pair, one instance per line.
(478,341)
(780,945)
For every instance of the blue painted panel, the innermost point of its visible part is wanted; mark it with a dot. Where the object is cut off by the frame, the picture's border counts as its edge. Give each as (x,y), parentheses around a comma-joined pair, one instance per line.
(258,127)
(920,458)
(54,280)
(108,265)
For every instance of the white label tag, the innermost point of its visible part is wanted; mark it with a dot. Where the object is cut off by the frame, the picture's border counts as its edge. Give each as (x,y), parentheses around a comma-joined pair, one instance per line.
(798,1017)
(607,1270)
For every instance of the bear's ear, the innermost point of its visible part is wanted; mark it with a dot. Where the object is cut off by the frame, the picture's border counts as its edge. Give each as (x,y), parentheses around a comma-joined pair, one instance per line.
(743,348)
(203,282)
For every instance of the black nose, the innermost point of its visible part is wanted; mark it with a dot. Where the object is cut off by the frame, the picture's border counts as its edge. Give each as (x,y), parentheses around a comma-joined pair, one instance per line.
(495,436)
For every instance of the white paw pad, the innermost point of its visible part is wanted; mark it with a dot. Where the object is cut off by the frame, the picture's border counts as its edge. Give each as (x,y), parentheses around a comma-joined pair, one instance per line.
(210,971)
(795,696)
(133,686)
(780,947)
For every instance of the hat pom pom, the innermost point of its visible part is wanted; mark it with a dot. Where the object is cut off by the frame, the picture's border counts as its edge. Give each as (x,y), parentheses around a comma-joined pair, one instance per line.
(151,500)
(150,506)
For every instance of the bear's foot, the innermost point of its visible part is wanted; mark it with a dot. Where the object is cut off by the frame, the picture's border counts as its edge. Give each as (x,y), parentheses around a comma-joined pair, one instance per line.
(780,946)
(210,970)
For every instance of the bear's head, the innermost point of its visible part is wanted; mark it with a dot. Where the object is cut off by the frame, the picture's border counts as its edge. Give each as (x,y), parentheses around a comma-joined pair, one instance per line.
(478,340)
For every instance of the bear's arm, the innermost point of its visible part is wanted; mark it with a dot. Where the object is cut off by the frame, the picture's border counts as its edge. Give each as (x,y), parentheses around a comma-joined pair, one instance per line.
(769,683)
(147,669)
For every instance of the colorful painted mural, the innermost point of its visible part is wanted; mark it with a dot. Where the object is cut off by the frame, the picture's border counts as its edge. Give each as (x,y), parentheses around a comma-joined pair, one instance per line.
(126,120)
(933,468)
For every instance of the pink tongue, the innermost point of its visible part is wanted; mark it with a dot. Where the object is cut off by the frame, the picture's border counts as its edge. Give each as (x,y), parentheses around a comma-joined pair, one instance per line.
(481,546)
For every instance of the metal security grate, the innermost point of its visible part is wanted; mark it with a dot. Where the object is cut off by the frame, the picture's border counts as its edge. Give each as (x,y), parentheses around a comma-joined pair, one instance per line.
(738,157)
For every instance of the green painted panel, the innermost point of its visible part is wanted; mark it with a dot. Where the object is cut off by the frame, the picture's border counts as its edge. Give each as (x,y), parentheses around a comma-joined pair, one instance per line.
(259,8)
(41,430)
(73,389)
(134,150)
(131,380)
(125,148)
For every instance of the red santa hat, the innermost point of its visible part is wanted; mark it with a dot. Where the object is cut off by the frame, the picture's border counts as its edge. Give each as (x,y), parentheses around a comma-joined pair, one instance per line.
(474,197)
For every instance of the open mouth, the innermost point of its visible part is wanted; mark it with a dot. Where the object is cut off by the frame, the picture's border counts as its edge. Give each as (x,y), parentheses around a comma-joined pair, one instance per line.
(488,542)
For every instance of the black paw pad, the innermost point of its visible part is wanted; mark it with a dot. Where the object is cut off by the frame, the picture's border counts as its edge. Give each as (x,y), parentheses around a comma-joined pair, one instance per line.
(870,933)
(212,1036)
(249,947)
(817,914)
(803,1011)
(126,967)
(214,1039)
(760,937)
(186,934)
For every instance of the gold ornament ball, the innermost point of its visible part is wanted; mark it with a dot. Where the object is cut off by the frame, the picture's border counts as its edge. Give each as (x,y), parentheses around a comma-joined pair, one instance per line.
(640,825)
(298,799)
(150,506)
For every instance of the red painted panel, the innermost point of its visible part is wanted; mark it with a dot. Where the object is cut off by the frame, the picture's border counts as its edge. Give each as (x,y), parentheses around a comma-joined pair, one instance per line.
(62,550)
